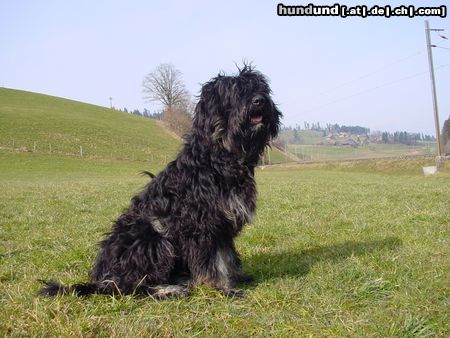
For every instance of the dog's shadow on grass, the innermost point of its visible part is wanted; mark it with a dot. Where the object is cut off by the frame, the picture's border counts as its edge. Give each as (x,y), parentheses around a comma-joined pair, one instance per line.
(267,266)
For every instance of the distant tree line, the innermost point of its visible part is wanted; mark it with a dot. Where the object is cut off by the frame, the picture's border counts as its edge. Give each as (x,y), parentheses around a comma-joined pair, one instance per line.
(355,130)
(331,128)
(145,113)
(403,137)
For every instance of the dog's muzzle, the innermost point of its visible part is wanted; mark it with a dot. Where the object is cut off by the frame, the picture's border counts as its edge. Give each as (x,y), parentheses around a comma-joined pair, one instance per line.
(257,119)
(258,103)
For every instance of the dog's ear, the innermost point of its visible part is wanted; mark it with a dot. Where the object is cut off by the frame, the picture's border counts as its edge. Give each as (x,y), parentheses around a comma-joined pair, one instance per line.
(274,126)
(208,119)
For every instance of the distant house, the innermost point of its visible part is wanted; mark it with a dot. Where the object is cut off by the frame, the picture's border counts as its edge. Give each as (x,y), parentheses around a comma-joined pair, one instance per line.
(332,142)
(330,139)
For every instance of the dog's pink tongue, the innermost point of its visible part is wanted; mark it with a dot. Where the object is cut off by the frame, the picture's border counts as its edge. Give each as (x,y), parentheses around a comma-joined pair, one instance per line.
(256,119)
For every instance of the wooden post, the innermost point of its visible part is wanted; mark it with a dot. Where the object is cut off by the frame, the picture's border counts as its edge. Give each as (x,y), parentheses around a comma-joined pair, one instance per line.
(285,152)
(433,87)
(81,151)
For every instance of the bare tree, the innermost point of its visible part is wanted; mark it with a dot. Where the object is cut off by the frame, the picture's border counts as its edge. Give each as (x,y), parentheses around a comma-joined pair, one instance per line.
(165,85)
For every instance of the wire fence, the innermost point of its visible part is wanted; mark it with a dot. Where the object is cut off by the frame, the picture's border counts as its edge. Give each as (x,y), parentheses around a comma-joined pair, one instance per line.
(85,151)
(296,153)
(292,153)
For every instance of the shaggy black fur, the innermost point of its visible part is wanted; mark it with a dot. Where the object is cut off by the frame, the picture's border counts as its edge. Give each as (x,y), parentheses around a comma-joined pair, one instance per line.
(179,230)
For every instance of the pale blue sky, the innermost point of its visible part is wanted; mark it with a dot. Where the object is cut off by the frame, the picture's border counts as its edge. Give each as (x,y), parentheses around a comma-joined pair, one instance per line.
(321,68)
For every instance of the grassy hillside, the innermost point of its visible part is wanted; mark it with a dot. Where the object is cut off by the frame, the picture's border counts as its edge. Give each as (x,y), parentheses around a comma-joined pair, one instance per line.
(46,124)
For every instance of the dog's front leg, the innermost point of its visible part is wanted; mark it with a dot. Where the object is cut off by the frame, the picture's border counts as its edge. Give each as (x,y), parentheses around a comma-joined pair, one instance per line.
(216,268)
(239,277)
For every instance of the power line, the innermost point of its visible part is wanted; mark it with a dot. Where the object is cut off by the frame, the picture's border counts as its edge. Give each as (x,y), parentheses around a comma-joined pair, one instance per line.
(441,47)
(371,73)
(440,35)
(373,88)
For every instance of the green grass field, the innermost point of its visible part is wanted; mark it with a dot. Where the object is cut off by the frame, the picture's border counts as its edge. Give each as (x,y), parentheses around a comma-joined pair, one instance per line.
(352,250)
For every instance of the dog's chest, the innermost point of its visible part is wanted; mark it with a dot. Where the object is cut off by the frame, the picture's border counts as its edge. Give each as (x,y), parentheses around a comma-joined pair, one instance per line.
(238,204)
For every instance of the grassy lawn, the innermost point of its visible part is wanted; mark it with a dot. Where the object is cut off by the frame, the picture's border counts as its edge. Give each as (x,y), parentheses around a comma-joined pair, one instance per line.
(336,251)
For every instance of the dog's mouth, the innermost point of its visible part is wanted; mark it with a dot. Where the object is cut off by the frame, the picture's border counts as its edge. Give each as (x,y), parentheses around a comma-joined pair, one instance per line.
(256,119)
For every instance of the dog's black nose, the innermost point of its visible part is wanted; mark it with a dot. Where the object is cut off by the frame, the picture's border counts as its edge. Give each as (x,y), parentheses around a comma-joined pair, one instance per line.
(258,100)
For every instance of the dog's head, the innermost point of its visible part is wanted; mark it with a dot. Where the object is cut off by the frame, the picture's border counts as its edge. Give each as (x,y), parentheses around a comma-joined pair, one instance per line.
(237,113)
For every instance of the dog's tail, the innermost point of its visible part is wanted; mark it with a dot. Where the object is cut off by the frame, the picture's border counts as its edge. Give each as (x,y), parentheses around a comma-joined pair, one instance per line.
(147,173)
(159,292)
(52,288)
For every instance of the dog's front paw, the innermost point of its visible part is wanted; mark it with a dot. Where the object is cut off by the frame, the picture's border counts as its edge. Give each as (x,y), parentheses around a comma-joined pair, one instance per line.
(163,292)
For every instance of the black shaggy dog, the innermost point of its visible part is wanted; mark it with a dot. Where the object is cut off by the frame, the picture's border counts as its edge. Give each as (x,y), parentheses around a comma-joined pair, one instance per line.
(179,231)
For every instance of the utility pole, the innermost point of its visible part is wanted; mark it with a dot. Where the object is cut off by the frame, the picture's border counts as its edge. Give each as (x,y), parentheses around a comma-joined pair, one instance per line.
(110,102)
(433,88)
